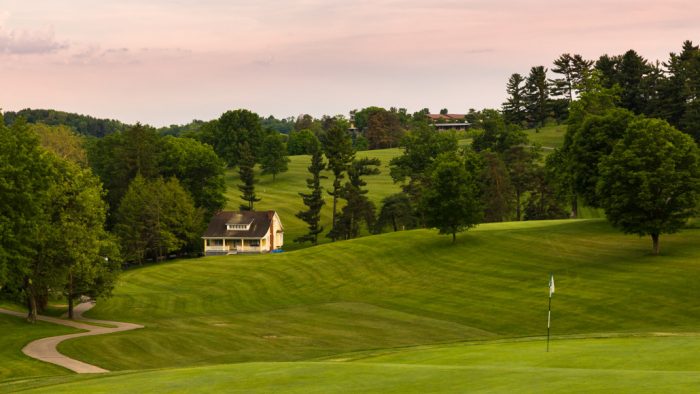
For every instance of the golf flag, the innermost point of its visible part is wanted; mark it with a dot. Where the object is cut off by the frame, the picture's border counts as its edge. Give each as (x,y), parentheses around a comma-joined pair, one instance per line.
(551,285)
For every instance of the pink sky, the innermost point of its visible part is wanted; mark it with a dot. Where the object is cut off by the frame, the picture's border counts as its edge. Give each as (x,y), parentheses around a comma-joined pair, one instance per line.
(163,62)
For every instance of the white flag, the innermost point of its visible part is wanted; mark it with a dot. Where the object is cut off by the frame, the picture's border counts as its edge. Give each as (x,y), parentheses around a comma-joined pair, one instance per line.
(551,285)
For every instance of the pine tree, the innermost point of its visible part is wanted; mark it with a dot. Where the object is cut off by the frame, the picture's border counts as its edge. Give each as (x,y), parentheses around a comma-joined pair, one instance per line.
(337,146)
(358,207)
(514,107)
(313,200)
(537,95)
(246,172)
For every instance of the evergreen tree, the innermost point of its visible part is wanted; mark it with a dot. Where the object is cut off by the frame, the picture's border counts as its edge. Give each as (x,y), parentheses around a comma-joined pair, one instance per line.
(246,173)
(273,155)
(514,109)
(313,200)
(396,211)
(337,146)
(537,96)
(358,208)
(498,195)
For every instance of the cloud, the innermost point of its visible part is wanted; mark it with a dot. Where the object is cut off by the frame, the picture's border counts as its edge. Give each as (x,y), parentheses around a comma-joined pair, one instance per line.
(25,42)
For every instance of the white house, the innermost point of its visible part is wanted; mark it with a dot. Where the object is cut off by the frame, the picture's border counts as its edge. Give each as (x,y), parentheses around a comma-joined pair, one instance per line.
(243,232)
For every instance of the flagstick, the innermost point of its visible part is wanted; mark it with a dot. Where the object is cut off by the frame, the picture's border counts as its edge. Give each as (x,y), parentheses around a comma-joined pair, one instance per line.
(549,319)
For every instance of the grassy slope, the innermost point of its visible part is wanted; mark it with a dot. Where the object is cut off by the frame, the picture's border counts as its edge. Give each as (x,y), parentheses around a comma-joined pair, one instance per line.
(634,365)
(14,334)
(283,194)
(395,290)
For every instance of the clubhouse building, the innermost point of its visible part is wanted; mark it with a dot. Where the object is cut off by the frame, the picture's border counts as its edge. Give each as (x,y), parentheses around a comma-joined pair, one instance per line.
(243,232)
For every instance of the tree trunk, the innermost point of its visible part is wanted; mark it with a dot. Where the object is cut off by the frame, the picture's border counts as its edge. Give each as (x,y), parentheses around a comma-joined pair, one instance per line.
(31,316)
(393,222)
(655,244)
(335,204)
(574,206)
(517,205)
(454,236)
(273,177)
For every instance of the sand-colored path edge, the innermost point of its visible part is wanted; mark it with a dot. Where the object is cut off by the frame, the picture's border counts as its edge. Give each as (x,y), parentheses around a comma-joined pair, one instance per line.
(45,349)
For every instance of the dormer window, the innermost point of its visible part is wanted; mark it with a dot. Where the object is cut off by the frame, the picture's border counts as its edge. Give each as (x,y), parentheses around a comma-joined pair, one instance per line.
(238,227)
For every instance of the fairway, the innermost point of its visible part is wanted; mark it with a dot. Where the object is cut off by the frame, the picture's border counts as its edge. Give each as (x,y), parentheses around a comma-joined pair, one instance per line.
(621,365)
(394,290)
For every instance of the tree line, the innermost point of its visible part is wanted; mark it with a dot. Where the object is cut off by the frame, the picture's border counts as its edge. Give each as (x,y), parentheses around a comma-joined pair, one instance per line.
(665,90)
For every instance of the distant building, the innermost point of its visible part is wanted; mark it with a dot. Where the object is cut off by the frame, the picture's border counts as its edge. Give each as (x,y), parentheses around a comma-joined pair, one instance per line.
(449,121)
(243,232)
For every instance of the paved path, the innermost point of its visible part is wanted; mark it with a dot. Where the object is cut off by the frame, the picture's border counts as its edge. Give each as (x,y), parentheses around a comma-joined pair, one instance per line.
(45,349)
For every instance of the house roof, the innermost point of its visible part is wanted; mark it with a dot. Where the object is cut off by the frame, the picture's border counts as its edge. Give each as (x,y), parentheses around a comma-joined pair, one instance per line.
(446,116)
(259,224)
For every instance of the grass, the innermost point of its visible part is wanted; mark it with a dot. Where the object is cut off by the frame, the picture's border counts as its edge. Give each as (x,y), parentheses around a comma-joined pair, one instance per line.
(549,137)
(396,290)
(624,365)
(282,195)
(15,333)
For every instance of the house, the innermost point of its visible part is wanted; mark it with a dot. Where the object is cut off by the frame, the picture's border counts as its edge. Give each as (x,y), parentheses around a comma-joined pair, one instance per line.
(449,121)
(243,232)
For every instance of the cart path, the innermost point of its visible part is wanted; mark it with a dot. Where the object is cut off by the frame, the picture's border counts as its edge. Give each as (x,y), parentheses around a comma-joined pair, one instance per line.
(44,349)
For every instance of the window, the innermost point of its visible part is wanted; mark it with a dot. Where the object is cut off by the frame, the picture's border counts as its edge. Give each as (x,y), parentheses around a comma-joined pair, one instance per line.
(243,227)
(255,242)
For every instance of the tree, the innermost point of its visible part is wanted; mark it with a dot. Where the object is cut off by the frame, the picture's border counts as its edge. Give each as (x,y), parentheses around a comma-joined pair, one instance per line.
(119,157)
(337,146)
(452,202)
(514,110)
(594,140)
(198,168)
(543,202)
(537,96)
(420,148)
(574,71)
(75,236)
(302,142)
(156,218)
(246,173)
(313,200)
(396,211)
(497,135)
(63,142)
(520,162)
(650,183)
(498,196)
(233,129)
(358,208)
(26,174)
(273,155)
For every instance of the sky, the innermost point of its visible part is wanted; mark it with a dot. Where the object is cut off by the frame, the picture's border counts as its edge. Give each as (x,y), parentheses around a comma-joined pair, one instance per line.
(168,62)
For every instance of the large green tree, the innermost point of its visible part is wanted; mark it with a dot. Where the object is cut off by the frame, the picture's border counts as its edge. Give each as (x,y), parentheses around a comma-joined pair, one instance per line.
(273,155)
(650,183)
(230,131)
(594,140)
(313,200)
(412,168)
(452,203)
(198,168)
(157,218)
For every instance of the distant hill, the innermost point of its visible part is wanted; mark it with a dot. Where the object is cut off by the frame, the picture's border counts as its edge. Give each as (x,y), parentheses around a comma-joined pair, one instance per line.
(82,124)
